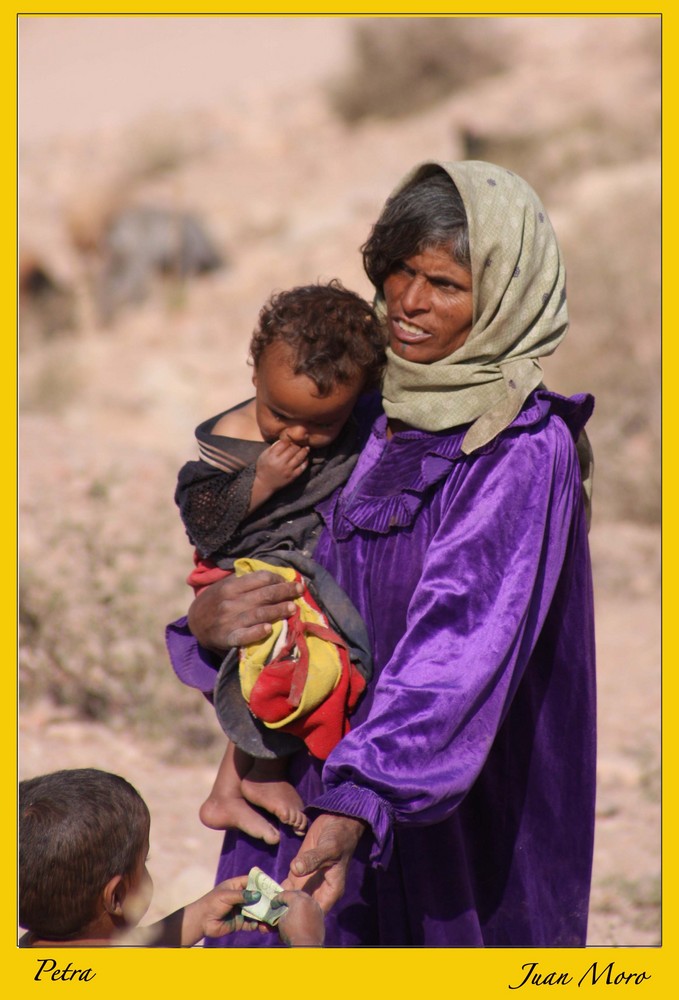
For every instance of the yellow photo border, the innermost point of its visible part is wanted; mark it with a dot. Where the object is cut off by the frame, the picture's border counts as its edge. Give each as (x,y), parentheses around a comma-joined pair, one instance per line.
(330,973)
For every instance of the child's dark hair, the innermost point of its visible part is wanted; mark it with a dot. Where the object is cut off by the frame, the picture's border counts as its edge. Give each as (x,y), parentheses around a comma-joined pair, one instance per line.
(332,332)
(77,830)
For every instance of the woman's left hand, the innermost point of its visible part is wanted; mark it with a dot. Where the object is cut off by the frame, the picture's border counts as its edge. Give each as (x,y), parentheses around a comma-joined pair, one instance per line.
(320,867)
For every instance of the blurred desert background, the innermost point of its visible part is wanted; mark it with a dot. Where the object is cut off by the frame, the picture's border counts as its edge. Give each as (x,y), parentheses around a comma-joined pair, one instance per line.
(173,172)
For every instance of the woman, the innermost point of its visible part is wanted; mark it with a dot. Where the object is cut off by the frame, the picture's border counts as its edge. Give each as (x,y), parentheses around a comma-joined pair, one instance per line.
(459,810)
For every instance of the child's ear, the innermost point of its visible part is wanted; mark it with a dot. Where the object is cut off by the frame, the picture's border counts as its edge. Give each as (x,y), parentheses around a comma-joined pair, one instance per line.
(114,896)
(254,378)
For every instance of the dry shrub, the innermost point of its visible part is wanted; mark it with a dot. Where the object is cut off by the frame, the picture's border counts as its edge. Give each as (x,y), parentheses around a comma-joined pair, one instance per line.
(612,251)
(401,66)
(550,157)
(52,378)
(600,178)
(95,596)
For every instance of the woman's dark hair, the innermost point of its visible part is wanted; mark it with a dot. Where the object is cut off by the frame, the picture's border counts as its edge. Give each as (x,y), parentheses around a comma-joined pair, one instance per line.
(427,213)
(334,335)
(77,830)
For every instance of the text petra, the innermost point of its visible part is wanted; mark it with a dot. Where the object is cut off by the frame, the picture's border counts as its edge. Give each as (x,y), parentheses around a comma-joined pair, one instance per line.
(48,970)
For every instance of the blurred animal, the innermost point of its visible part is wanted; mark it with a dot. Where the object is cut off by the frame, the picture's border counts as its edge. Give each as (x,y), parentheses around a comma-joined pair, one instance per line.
(46,305)
(143,242)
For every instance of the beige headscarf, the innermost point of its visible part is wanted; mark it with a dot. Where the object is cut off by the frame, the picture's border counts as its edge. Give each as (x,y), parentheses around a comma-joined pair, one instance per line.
(519,296)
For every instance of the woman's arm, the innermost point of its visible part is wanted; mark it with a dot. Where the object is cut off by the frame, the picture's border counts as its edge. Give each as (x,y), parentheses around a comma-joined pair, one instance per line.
(487,583)
(238,610)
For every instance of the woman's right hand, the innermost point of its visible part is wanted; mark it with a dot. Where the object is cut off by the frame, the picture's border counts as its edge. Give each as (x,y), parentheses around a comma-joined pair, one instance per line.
(239,609)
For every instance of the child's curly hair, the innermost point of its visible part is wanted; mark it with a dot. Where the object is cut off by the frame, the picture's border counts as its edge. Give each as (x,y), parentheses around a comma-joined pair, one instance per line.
(332,332)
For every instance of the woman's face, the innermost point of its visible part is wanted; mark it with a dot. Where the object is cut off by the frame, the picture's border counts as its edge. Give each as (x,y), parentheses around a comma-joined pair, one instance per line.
(429,306)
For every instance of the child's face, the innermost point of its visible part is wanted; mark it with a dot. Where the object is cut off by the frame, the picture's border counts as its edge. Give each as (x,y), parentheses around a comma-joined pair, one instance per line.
(139,891)
(288,406)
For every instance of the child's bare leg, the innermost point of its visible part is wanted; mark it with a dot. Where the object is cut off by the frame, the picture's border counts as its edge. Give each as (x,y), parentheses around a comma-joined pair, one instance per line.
(225,806)
(265,785)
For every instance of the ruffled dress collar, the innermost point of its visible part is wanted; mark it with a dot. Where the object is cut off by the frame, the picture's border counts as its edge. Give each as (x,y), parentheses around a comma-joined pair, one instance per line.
(395,474)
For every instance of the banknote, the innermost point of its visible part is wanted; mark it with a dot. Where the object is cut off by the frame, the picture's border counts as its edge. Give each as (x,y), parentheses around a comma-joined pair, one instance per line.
(262,909)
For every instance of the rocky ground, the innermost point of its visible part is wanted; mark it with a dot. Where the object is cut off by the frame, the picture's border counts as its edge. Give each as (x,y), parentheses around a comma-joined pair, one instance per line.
(286,190)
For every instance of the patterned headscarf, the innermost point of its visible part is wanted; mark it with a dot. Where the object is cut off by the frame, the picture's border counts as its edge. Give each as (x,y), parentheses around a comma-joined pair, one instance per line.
(519,312)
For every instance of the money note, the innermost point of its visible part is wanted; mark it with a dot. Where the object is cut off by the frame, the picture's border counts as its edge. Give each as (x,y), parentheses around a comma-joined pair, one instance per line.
(262,909)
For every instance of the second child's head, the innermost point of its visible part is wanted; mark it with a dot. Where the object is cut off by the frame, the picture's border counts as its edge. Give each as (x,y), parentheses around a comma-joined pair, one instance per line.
(83,844)
(315,350)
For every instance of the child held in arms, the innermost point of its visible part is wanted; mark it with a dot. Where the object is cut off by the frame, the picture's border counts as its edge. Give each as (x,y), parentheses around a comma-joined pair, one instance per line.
(249,504)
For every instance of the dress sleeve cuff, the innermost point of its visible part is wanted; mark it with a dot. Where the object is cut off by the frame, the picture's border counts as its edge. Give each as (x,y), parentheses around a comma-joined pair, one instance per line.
(192,664)
(348,799)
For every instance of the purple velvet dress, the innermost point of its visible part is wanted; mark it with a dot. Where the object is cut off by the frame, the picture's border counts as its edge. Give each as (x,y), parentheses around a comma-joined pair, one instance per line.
(472,755)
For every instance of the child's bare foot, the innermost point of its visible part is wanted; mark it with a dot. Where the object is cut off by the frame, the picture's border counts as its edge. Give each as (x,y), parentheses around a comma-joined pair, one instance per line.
(222,812)
(277,797)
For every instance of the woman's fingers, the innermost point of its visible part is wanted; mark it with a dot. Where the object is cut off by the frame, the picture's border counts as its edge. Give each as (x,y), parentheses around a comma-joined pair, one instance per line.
(262,580)
(239,609)
(312,861)
(321,864)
